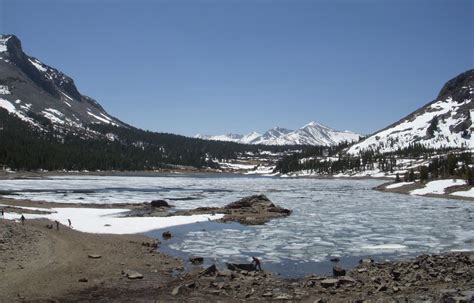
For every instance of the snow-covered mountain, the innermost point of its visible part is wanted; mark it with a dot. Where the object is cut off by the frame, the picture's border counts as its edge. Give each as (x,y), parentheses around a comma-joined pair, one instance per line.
(444,122)
(41,95)
(311,134)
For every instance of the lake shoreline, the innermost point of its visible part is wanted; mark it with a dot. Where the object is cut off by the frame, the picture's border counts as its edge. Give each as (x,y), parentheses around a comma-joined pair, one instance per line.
(406,189)
(48,264)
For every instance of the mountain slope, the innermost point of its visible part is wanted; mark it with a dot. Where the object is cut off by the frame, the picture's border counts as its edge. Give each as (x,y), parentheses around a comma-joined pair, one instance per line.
(445,122)
(311,134)
(34,91)
(46,123)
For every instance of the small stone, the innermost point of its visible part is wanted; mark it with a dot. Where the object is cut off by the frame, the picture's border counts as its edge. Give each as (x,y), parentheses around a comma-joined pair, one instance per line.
(131,274)
(83,280)
(283,297)
(267,295)
(94,256)
(175,290)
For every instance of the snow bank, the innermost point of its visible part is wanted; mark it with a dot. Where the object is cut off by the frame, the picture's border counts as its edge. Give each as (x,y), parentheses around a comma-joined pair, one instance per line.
(108,221)
(437,187)
(399,184)
(466,193)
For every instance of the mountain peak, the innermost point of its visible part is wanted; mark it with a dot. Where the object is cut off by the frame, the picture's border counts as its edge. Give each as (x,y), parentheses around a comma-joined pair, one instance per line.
(10,43)
(312,133)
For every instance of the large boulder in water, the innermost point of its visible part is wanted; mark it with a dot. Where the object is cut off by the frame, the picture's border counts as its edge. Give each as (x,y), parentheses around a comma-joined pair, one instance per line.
(255,201)
(160,203)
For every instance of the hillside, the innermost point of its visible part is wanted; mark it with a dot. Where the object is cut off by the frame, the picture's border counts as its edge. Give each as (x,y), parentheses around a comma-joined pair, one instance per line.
(46,123)
(443,123)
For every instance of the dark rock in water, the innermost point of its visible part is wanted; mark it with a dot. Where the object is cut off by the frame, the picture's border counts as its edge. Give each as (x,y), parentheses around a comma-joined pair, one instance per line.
(167,235)
(211,270)
(196,260)
(338,271)
(251,201)
(159,203)
(243,266)
(335,259)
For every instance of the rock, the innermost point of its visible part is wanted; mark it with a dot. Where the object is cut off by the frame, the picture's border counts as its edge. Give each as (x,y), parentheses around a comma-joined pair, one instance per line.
(283,297)
(366,261)
(338,271)
(396,275)
(329,282)
(94,256)
(132,274)
(382,288)
(209,271)
(167,235)
(83,280)
(251,201)
(335,259)
(175,290)
(159,203)
(243,266)
(347,280)
(196,260)
(267,295)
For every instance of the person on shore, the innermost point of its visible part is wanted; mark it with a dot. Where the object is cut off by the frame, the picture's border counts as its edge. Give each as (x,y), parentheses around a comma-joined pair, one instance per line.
(57,224)
(3,213)
(69,221)
(22,218)
(256,264)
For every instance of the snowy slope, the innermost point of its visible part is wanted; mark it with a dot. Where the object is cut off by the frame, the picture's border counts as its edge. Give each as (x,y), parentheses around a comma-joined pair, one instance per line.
(36,92)
(311,134)
(445,122)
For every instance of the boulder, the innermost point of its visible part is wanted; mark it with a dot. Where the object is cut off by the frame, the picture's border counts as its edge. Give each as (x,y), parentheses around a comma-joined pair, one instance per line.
(251,201)
(167,235)
(196,260)
(243,266)
(338,271)
(159,203)
(211,270)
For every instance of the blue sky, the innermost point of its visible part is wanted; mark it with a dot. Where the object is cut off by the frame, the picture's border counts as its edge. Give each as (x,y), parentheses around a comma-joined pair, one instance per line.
(213,67)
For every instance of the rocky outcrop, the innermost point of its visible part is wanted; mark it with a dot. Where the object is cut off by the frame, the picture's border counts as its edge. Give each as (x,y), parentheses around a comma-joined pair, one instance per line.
(251,210)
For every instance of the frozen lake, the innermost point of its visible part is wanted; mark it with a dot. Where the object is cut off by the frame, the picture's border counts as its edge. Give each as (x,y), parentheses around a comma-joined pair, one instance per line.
(331,217)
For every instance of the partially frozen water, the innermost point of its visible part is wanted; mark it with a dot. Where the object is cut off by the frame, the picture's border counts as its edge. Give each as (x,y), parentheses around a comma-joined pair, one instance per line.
(331,217)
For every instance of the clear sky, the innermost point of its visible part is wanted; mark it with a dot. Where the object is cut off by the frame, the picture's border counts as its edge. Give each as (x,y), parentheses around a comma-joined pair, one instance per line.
(223,66)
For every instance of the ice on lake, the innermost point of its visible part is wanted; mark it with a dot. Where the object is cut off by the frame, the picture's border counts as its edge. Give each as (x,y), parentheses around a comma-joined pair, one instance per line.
(331,217)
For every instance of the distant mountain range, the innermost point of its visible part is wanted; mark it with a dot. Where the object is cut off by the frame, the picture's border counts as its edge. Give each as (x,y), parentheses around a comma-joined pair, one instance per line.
(445,122)
(312,133)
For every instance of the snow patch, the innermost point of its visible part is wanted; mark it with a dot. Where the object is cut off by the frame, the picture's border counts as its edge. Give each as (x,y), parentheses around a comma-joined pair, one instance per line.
(109,221)
(437,187)
(4,90)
